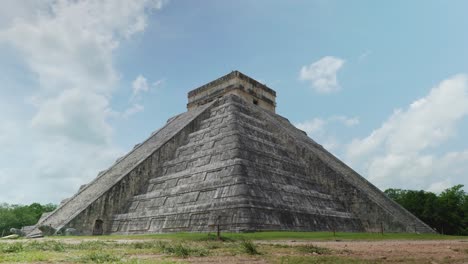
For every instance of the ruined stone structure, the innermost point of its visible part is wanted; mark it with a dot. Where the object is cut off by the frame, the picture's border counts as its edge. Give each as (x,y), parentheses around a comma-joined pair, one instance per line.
(229,161)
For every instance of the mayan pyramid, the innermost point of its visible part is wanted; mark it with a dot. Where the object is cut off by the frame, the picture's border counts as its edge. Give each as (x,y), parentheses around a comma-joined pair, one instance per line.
(231,161)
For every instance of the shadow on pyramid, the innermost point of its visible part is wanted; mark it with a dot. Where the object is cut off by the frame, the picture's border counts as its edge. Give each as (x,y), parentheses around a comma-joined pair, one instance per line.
(229,161)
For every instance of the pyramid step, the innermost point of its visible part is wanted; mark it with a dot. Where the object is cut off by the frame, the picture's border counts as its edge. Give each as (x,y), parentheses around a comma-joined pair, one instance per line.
(177,188)
(194,170)
(206,141)
(201,133)
(121,169)
(179,205)
(221,150)
(223,177)
(193,153)
(216,122)
(234,166)
(229,109)
(230,148)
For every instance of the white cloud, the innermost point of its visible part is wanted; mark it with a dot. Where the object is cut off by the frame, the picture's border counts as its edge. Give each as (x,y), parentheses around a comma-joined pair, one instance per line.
(319,129)
(69,47)
(24,10)
(136,108)
(322,74)
(158,83)
(395,155)
(438,187)
(7,128)
(139,85)
(311,127)
(317,125)
(347,121)
(65,116)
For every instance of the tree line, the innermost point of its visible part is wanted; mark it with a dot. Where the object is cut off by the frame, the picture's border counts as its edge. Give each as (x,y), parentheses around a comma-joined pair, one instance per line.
(446,212)
(17,216)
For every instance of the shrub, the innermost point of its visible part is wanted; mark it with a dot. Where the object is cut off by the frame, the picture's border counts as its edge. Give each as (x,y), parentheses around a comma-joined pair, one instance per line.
(212,237)
(183,251)
(94,245)
(46,246)
(249,247)
(311,249)
(12,248)
(150,245)
(180,250)
(99,257)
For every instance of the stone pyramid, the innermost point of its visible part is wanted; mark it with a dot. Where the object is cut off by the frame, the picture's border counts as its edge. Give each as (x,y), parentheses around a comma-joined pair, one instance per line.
(229,161)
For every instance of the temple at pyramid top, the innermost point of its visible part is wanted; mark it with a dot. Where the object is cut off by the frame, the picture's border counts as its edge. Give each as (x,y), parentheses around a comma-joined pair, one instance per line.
(234,83)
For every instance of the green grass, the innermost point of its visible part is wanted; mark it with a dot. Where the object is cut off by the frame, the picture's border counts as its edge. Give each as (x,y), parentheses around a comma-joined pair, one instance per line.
(182,250)
(311,249)
(99,257)
(249,247)
(46,246)
(175,248)
(98,251)
(279,235)
(12,248)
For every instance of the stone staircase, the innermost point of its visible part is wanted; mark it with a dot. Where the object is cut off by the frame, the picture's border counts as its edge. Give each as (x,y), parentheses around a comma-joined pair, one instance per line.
(107,179)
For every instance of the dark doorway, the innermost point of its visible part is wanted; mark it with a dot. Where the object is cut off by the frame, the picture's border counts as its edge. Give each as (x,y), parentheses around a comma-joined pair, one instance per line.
(98,229)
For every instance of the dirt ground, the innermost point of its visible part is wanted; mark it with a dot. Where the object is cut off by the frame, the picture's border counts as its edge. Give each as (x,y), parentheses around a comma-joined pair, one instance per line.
(387,251)
(426,251)
(346,251)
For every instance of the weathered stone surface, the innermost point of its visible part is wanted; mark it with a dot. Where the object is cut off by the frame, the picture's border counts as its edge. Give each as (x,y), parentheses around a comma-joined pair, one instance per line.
(18,232)
(234,83)
(109,192)
(235,163)
(47,230)
(71,232)
(27,229)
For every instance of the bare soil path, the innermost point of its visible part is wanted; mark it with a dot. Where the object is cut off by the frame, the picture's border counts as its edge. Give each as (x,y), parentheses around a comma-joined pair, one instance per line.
(414,251)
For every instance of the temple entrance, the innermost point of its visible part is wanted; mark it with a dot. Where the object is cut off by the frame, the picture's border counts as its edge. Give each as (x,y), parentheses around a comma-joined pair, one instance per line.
(98,228)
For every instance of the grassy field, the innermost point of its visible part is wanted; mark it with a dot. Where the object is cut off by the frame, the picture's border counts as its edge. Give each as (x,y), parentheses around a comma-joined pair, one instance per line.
(261,247)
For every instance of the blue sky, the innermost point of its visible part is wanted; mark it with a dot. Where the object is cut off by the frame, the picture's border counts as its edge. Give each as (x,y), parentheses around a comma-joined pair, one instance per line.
(382,85)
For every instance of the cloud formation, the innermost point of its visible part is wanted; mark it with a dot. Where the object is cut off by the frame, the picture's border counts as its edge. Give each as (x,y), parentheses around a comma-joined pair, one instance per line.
(69,46)
(322,74)
(139,85)
(397,153)
(320,129)
(135,108)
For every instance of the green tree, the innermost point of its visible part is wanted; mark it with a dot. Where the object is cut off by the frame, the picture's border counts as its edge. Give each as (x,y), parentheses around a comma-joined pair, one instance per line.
(17,216)
(450,210)
(446,212)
